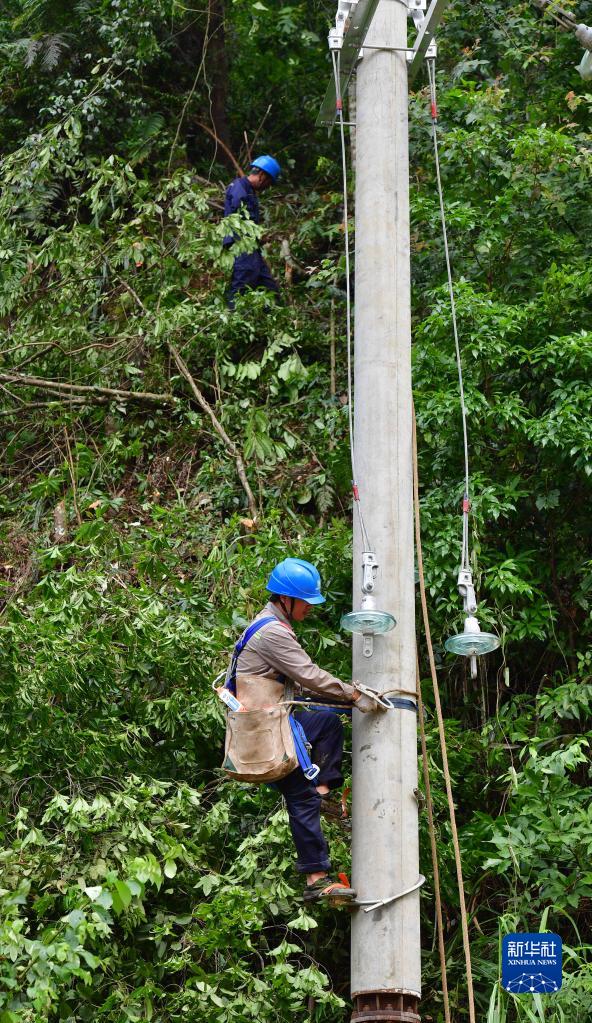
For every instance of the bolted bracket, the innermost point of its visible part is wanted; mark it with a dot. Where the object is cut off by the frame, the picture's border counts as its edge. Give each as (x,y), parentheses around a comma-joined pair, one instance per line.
(335,39)
(467,590)
(416,10)
(367,644)
(369,568)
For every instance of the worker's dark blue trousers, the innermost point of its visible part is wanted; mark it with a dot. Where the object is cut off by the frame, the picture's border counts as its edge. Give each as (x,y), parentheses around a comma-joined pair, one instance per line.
(250,271)
(324,731)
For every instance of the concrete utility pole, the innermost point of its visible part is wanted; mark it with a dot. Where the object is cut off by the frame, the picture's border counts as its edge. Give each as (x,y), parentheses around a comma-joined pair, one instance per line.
(386,968)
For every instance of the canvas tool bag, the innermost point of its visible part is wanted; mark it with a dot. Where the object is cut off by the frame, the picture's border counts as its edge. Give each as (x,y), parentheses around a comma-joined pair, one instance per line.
(259,741)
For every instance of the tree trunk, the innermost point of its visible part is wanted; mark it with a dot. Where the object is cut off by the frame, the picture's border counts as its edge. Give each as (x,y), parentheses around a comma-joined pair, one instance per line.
(217,75)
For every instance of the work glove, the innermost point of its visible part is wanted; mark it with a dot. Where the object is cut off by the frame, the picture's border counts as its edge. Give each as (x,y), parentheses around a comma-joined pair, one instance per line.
(367,700)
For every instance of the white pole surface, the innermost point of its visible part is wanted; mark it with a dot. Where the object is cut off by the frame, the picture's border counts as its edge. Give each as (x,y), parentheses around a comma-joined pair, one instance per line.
(385,942)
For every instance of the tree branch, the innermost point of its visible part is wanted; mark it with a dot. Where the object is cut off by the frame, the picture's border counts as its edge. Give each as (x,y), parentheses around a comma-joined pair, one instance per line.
(228,443)
(111,392)
(223,146)
(17,411)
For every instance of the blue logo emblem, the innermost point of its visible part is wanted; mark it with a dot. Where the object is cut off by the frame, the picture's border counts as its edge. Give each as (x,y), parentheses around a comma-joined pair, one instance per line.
(531,963)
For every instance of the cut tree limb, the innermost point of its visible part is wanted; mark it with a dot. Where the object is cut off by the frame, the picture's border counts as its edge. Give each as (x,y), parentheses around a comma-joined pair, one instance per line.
(228,443)
(110,392)
(61,387)
(219,142)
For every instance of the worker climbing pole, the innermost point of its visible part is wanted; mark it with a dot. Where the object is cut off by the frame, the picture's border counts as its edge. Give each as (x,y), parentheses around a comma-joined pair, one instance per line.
(272,731)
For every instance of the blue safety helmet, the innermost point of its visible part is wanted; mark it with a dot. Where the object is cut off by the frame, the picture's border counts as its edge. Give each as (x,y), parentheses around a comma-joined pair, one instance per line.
(269,165)
(296,578)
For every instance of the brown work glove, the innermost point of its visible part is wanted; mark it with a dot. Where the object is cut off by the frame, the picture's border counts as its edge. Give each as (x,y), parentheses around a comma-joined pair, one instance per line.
(366,700)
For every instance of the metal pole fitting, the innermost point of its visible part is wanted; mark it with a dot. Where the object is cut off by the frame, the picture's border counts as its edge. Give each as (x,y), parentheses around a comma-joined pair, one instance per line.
(369,567)
(385,1007)
(467,590)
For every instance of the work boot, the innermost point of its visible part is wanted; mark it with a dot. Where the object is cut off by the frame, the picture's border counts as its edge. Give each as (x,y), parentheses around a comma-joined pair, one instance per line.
(334,893)
(336,810)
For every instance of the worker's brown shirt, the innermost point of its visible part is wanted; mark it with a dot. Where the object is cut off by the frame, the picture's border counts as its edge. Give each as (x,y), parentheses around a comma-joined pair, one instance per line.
(274,650)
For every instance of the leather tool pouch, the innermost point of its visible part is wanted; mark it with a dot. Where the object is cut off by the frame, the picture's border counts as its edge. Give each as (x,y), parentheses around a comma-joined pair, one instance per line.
(259,742)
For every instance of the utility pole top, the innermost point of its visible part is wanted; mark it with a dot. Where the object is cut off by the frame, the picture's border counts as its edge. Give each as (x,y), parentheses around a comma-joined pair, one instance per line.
(352,22)
(424,45)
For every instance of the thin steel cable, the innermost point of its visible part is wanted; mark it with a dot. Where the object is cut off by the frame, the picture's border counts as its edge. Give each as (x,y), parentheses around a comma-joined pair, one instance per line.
(431,63)
(442,734)
(335,57)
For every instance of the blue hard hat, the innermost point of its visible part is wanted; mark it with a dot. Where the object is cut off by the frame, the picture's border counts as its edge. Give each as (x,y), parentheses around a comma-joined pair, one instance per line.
(296,578)
(269,165)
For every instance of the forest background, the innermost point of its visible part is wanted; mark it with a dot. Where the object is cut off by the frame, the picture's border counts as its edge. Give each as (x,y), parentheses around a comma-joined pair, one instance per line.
(136,882)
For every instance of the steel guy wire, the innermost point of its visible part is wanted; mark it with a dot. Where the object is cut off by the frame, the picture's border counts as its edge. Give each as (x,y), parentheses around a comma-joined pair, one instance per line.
(335,57)
(431,65)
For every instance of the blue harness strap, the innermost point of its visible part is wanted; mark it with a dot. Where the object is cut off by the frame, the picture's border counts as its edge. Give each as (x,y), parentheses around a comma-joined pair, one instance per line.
(301,747)
(240,646)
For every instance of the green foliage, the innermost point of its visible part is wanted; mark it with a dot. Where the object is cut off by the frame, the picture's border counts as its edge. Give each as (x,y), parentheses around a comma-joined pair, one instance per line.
(136,883)
(159,892)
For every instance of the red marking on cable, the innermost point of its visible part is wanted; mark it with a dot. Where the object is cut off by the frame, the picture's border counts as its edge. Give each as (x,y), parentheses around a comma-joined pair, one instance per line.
(356,492)
(339,103)
(466,505)
(434,112)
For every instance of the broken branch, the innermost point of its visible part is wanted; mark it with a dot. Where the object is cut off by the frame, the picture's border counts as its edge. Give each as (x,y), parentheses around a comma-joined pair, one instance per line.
(111,392)
(228,443)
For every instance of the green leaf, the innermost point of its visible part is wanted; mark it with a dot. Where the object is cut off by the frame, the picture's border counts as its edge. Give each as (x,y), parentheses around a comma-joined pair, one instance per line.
(105,899)
(303,922)
(124,893)
(91,960)
(74,918)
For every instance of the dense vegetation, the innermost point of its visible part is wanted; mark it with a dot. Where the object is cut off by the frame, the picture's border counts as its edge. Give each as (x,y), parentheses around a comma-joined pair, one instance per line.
(136,883)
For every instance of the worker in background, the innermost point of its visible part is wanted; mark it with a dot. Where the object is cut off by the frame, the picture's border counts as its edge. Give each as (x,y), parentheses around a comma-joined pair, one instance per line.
(274,651)
(250,269)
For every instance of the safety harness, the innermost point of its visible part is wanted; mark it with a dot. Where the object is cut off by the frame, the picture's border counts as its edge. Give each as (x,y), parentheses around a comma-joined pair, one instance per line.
(301,746)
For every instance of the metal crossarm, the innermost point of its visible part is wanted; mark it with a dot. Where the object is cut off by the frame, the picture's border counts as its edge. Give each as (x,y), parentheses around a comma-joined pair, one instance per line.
(425,36)
(359,21)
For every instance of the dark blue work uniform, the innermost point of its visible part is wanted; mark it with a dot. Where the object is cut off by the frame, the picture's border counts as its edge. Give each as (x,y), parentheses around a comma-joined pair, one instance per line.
(324,731)
(250,270)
